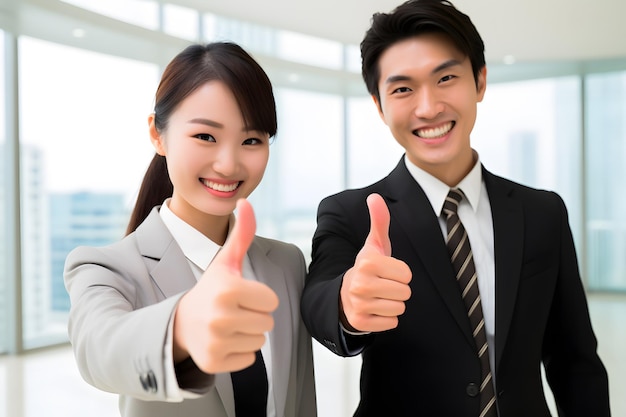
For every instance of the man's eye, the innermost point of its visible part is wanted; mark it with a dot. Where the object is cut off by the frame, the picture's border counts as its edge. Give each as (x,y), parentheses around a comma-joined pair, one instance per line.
(402,90)
(447,78)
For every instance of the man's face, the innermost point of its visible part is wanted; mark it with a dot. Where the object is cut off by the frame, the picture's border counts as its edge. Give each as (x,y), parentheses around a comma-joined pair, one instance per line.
(428,99)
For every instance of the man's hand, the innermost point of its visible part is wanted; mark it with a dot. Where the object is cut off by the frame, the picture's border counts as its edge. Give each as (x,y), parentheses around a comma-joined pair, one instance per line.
(221,322)
(374,290)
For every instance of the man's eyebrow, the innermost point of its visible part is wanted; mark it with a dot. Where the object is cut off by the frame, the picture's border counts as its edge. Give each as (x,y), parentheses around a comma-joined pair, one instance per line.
(395,78)
(445,65)
(441,67)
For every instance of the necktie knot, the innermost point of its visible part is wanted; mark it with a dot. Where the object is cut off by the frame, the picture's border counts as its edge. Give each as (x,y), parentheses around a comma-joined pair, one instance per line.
(451,204)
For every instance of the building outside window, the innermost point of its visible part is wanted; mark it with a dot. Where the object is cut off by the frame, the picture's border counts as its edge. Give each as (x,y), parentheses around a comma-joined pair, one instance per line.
(84,148)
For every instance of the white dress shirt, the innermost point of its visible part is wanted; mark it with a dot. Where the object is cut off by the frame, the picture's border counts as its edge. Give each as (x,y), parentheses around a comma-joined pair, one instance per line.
(200,251)
(475,214)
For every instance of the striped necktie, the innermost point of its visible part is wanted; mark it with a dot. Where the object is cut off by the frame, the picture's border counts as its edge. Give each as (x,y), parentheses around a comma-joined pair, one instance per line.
(463,263)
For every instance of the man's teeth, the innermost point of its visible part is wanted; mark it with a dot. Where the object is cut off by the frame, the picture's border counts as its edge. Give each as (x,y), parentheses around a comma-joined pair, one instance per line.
(221,187)
(434,132)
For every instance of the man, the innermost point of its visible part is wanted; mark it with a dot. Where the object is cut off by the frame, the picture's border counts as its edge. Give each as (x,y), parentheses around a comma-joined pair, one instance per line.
(447,328)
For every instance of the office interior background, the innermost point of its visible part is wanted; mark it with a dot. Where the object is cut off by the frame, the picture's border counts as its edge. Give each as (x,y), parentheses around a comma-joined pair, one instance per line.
(78,78)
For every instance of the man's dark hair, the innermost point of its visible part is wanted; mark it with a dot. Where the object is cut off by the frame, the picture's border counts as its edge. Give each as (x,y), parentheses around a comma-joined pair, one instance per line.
(413,18)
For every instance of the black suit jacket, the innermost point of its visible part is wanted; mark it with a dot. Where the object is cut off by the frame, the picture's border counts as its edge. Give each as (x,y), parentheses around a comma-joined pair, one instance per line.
(428,365)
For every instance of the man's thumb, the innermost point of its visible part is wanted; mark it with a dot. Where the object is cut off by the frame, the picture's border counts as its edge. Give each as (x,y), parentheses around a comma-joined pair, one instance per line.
(240,237)
(379,224)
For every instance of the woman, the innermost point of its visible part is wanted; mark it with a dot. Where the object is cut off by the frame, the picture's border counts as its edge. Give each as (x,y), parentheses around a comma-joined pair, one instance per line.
(161,317)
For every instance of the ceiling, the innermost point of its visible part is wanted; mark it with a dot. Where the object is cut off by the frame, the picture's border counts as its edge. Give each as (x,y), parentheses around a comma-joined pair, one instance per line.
(528,30)
(572,32)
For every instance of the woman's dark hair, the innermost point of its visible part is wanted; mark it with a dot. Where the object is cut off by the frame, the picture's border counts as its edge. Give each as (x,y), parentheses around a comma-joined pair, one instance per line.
(190,69)
(413,18)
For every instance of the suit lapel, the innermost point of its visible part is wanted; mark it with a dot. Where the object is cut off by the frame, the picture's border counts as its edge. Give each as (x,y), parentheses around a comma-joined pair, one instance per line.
(171,273)
(224,388)
(281,338)
(168,266)
(407,203)
(412,214)
(508,229)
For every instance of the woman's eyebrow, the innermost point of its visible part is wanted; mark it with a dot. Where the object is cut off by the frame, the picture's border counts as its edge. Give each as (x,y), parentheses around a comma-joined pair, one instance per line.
(208,122)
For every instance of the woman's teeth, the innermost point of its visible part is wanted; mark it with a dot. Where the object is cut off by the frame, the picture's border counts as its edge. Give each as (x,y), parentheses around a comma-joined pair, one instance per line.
(225,188)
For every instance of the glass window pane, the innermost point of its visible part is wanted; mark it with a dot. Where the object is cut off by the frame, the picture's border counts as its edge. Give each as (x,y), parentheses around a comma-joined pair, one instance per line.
(84,149)
(530,132)
(143,13)
(306,165)
(307,49)
(5,317)
(605,153)
(353,58)
(372,150)
(180,21)
(255,38)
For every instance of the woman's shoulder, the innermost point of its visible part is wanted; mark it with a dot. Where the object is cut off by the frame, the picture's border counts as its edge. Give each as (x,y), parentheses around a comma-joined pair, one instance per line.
(113,253)
(127,247)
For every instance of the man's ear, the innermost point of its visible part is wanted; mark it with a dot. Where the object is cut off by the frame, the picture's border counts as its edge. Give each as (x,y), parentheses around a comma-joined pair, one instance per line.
(155,136)
(481,83)
(379,107)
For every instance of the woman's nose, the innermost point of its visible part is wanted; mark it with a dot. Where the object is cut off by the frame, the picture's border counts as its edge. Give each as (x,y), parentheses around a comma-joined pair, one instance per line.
(226,162)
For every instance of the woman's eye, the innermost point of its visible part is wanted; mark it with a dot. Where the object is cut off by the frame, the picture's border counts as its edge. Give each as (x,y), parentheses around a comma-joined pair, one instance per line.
(205,136)
(252,141)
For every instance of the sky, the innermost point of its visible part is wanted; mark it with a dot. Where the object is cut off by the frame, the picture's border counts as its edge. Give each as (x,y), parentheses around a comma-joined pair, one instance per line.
(88,112)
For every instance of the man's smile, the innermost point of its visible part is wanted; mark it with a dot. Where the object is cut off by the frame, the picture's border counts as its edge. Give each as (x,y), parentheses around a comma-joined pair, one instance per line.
(434,132)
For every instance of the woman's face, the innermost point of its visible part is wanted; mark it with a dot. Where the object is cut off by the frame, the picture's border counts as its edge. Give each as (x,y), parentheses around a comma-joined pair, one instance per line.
(213,160)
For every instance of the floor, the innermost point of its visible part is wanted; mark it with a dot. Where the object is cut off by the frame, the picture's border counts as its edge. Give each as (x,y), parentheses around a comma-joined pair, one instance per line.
(47,382)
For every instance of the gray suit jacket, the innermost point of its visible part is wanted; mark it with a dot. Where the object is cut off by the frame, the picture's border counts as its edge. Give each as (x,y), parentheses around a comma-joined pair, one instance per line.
(123,297)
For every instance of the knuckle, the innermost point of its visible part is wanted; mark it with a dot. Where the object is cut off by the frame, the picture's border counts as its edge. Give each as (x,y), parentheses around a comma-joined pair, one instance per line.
(359,288)
(400,308)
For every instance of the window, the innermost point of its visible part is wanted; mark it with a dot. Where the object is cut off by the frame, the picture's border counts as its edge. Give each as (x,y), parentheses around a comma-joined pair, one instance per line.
(138,12)
(311,50)
(306,164)
(84,147)
(372,150)
(181,21)
(605,202)
(353,58)
(530,132)
(5,315)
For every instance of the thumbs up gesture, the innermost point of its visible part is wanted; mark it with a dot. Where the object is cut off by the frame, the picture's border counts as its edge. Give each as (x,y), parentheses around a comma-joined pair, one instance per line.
(374,290)
(221,322)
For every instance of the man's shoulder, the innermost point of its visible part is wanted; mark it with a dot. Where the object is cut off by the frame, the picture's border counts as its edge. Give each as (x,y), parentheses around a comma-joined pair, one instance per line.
(521,192)
(351,200)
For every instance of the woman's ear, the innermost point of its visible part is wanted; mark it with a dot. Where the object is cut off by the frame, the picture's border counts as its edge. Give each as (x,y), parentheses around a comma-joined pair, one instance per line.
(155,136)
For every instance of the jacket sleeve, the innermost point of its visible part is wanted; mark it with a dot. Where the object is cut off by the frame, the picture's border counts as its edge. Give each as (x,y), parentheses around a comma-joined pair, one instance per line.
(118,340)
(574,370)
(339,236)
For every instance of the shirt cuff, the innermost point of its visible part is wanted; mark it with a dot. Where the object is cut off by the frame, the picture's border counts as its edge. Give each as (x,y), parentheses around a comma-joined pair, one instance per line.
(173,391)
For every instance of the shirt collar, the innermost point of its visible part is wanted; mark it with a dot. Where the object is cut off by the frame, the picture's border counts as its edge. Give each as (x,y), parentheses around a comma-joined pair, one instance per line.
(198,248)
(436,190)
